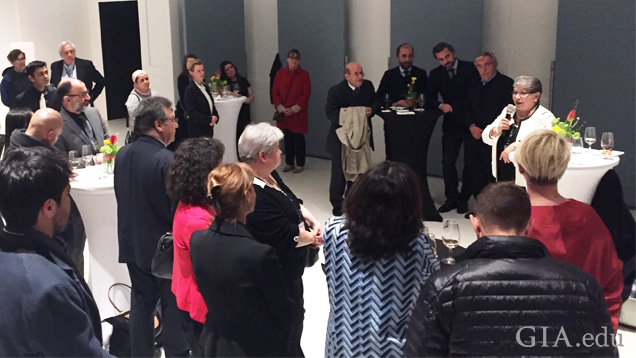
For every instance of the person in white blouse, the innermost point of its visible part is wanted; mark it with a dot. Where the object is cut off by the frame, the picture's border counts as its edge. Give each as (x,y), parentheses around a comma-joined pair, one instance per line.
(513,124)
(141,90)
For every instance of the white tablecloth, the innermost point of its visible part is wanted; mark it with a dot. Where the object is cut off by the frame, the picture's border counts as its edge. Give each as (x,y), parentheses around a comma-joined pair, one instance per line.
(583,175)
(94,195)
(225,130)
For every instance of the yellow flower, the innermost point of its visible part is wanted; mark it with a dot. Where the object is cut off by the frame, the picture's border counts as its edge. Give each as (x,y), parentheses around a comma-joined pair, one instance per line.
(413,79)
(106,141)
(556,128)
(212,78)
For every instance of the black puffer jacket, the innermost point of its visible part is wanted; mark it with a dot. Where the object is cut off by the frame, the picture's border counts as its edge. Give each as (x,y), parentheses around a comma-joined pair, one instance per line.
(478,306)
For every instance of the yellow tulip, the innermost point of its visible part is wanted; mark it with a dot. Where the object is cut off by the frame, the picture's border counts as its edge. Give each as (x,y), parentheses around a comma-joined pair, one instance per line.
(413,79)
(556,128)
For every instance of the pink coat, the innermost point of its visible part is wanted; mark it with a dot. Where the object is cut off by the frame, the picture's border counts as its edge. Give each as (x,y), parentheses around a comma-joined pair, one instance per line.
(187,220)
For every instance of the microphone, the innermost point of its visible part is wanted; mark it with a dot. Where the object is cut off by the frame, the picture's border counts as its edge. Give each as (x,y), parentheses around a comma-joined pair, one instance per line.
(510,111)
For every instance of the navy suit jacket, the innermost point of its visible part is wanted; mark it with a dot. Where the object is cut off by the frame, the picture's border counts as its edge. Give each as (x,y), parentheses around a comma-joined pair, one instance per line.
(395,84)
(453,92)
(143,207)
(485,102)
(85,71)
(341,96)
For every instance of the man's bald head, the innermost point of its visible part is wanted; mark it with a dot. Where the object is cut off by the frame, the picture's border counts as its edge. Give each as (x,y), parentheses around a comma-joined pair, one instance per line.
(46,125)
(354,74)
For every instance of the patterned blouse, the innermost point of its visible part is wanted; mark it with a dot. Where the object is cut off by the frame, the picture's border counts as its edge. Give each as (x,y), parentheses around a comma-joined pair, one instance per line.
(371,301)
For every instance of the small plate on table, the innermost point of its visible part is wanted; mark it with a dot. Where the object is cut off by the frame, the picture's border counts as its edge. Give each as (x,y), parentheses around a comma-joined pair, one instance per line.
(606,153)
(398,108)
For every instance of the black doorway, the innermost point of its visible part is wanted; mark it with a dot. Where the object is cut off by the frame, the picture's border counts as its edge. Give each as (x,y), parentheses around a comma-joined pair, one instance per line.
(121,52)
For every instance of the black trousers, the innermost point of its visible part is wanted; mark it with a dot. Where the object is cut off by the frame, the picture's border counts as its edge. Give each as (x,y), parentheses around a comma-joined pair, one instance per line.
(146,292)
(452,140)
(298,317)
(193,332)
(477,159)
(337,185)
(294,148)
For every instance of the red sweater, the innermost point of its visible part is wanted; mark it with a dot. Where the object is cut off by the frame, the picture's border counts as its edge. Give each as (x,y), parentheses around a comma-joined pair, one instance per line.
(299,94)
(573,232)
(187,220)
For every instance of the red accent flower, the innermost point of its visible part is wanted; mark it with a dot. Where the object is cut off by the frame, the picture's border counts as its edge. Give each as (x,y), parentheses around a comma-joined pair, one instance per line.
(571,115)
(218,73)
(113,139)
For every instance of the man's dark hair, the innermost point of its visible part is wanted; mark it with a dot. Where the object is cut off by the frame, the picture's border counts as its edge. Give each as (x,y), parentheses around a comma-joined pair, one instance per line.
(440,47)
(294,51)
(33,66)
(397,51)
(187,177)
(383,210)
(504,205)
(148,112)
(28,178)
(14,54)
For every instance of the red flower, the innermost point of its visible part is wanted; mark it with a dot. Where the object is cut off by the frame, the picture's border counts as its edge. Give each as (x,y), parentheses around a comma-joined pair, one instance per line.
(113,139)
(218,73)
(571,115)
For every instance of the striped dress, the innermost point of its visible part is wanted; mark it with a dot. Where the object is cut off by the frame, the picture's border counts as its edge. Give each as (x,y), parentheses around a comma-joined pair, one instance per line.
(371,301)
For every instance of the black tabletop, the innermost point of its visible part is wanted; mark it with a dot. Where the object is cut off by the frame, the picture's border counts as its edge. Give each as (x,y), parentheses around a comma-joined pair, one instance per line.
(407,138)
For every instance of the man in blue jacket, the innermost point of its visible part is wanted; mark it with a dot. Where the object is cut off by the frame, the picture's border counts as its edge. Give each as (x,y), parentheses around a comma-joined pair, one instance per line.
(47,308)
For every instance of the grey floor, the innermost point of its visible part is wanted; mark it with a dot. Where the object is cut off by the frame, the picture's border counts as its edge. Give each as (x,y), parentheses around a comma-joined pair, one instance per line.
(312,185)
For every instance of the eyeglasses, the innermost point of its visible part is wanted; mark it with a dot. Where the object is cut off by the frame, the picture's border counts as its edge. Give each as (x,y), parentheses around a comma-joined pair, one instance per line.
(83,94)
(294,58)
(521,94)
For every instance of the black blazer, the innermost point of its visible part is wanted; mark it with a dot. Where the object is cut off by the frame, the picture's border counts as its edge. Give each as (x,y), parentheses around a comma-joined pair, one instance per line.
(85,71)
(31,99)
(143,207)
(242,284)
(341,96)
(485,102)
(395,84)
(198,110)
(453,92)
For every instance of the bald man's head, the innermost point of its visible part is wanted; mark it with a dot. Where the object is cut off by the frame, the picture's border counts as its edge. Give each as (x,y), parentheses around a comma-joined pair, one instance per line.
(354,74)
(46,125)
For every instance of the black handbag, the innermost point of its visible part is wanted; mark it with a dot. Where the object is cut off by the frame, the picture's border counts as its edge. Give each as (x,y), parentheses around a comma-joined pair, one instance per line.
(164,257)
(312,256)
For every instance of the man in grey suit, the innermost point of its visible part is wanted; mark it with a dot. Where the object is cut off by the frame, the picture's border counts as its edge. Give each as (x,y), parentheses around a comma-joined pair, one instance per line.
(83,125)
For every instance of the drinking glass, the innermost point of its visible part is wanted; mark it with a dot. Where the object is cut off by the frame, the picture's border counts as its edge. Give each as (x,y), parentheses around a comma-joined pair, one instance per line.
(431,237)
(73,159)
(450,238)
(226,90)
(421,100)
(590,136)
(87,155)
(607,141)
(387,101)
(236,89)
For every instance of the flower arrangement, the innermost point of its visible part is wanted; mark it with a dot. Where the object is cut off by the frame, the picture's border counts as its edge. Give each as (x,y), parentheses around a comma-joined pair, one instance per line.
(410,90)
(570,128)
(110,149)
(216,81)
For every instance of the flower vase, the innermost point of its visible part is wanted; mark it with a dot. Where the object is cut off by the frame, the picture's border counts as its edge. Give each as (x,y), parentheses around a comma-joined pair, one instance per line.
(109,163)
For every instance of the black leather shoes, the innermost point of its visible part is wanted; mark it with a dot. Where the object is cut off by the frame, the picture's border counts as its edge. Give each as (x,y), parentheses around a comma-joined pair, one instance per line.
(462,207)
(448,206)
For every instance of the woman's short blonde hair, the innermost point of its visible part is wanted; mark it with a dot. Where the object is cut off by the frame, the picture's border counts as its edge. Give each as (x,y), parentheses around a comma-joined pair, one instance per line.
(227,185)
(544,156)
(256,138)
(190,65)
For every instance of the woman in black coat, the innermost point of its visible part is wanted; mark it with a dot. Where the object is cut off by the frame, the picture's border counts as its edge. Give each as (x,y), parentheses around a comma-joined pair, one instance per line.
(229,72)
(240,279)
(199,104)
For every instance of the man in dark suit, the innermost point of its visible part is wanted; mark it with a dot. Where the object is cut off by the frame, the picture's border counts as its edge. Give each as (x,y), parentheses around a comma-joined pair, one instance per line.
(41,94)
(395,81)
(488,95)
(72,67)
(354,91)
(143,215)
(450,80)
(83,125)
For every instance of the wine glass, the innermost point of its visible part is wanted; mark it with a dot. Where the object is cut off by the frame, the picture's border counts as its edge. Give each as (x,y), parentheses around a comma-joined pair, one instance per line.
(431,237)
(236,89)
(421,100)
(607,141)
(450,238)
(87,155)
(577,148)
(590,136)
(73,159)
(226,90)
(387,101)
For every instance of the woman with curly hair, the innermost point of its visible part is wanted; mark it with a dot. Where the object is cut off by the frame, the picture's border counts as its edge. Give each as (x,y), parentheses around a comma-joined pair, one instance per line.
(376,259)
(186,181)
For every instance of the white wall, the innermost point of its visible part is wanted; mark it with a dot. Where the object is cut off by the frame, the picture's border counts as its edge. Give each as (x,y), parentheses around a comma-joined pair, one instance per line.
(369,44)
(522,33)
(261,45)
